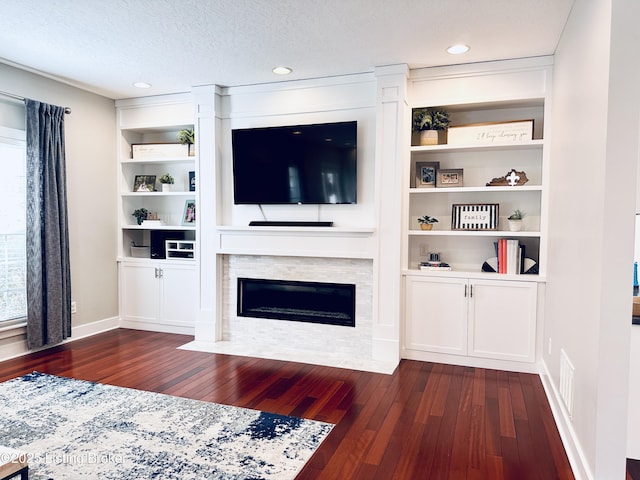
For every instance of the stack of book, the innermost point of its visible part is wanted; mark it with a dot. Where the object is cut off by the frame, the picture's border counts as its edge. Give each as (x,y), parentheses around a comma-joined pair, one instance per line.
(435,266)
(510,256)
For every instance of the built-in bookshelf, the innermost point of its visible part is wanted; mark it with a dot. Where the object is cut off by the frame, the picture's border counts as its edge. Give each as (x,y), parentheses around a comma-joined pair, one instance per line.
(467,249)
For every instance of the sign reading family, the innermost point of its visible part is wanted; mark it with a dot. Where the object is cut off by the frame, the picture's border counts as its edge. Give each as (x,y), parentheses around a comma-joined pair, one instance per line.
(491,133)
(474,216)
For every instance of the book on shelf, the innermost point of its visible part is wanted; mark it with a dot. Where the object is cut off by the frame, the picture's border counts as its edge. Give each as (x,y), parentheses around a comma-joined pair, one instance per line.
(510,255)
(435,266)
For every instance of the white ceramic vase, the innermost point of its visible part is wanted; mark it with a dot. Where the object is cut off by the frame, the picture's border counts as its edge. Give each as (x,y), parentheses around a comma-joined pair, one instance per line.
(515,225)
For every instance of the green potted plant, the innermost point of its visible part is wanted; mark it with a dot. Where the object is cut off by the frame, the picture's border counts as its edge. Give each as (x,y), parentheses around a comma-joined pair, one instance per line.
(166,180)
(428,122)
(140,214)
(426,222)
(515,220)
(187,137)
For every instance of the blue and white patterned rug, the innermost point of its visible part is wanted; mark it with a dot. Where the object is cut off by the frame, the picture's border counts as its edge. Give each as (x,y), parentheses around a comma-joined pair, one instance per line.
(71,429)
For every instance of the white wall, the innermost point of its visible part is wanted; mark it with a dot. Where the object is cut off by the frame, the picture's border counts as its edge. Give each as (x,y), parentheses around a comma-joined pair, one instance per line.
(591,225)
(91,183)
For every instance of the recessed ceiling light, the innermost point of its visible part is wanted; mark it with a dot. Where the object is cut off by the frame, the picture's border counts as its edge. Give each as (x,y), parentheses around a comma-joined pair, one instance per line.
(282,70)
(142,85)
(458,49)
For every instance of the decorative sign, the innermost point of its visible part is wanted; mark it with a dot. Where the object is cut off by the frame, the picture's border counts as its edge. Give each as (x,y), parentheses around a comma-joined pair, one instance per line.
(140,151)
(491,133)
(474,216)
(511,179)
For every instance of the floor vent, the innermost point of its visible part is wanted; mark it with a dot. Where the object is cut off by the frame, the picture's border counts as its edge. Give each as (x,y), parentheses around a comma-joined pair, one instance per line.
(566,382)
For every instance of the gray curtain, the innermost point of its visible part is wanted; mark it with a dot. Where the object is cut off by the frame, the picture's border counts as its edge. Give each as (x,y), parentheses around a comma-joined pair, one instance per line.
(48,271)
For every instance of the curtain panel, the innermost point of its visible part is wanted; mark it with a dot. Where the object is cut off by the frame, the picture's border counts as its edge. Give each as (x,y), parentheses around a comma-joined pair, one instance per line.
(48,270)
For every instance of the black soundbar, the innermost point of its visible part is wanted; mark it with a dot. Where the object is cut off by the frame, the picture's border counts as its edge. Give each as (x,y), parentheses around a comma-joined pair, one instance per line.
(280,223)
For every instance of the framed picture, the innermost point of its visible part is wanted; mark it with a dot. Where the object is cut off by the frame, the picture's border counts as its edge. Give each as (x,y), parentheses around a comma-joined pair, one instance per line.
(192,181)
(449,177)
(144,183)
(189,214)
(474,216)
(426,174)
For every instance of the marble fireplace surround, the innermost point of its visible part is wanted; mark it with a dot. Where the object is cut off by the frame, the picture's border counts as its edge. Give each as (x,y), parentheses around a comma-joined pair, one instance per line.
(281,339)
(318,344)
(331,255)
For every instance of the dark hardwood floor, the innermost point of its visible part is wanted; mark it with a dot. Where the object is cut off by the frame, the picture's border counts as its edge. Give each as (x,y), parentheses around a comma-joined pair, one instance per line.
(426,421)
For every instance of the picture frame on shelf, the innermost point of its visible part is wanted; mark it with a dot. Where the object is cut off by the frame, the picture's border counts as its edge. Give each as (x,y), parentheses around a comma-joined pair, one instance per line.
(426,173)
(189,213)
(449,177)
(192,181)
(144,183)
(475,216)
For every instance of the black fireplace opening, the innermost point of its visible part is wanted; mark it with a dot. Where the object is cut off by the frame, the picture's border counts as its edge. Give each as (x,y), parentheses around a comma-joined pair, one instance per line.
(314,302)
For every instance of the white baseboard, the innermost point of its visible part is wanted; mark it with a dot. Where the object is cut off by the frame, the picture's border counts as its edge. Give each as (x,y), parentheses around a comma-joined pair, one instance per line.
(157,327)
(19,347)
(465,361)
(577,458)
(93,328)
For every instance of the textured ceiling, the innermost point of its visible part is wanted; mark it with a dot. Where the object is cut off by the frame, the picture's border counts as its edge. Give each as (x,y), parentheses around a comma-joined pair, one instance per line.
(106,45)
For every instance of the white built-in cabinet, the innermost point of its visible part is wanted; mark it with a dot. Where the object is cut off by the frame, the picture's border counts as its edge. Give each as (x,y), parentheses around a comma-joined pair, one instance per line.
(157,294)
(472,317)
(465,315)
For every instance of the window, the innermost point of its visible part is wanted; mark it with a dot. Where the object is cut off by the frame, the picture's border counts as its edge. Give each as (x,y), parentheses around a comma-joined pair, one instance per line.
(13,271)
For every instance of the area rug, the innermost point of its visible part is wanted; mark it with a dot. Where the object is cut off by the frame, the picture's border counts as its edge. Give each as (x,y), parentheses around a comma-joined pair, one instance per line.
(71,429)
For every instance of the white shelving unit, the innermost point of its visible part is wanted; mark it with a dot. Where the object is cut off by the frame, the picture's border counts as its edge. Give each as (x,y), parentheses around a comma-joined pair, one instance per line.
(464,315)
(169,206)
(157,294)
(467,250)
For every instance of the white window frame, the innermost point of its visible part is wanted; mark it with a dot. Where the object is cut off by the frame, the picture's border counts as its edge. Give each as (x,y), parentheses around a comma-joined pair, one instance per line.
(12,136)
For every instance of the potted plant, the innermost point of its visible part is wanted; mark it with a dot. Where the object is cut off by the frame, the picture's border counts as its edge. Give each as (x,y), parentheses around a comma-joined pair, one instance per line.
(515,220)
(166,180)
(187,137)
(426,222)
(140,214)
(428,122)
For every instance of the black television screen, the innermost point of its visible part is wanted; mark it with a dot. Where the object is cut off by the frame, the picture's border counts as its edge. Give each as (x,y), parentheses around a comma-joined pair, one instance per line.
(298,164)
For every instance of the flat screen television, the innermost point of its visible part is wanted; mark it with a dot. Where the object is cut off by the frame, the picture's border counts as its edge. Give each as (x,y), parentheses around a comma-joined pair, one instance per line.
(301,164)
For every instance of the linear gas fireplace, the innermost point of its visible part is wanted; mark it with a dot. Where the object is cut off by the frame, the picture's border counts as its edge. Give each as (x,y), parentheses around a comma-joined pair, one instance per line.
(314,302)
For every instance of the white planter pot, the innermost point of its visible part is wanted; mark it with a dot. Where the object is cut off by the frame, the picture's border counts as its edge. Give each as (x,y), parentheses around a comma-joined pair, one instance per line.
(166,187)
(515,225)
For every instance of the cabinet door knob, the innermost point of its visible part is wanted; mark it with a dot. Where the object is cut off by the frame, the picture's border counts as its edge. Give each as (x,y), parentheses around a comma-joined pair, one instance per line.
(470,291)
(465,291)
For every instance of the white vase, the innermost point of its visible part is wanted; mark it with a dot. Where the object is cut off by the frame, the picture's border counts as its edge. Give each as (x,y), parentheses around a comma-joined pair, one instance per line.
(166,187)
(429,137)
(515,225)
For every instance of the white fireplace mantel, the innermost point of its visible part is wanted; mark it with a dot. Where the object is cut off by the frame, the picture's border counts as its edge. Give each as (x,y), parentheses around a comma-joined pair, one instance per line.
(327,242)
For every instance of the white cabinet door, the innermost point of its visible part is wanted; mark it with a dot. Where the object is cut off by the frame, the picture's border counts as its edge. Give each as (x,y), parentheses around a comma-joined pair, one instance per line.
(179,295)
(502,320)
(436,315)
(139,293)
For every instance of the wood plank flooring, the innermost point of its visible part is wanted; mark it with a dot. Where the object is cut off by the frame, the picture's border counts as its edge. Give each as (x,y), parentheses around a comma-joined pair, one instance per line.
(426,421)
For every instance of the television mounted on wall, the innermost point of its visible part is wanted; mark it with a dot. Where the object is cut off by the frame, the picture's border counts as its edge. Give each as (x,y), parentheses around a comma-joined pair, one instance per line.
(297,164)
